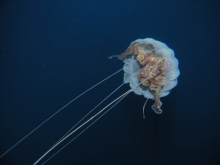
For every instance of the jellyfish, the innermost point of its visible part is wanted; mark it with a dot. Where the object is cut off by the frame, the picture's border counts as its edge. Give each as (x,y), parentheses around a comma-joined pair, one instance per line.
(153,61)
(150,68)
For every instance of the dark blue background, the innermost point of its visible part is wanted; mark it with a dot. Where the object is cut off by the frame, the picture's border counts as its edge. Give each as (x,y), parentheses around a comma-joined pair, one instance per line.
(51,51)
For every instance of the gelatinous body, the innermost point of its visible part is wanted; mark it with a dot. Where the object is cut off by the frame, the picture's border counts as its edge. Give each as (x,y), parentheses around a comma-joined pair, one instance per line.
(154,64)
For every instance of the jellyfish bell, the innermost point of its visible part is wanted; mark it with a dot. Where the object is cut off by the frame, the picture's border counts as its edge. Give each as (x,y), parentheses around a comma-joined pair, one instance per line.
(152,60)
(151,70)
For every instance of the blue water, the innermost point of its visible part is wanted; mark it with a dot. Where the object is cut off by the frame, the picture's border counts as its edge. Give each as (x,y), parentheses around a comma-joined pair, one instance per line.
(51,51)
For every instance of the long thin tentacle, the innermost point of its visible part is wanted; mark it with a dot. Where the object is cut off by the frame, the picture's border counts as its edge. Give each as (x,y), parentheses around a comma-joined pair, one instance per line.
(87,121)
(57,113)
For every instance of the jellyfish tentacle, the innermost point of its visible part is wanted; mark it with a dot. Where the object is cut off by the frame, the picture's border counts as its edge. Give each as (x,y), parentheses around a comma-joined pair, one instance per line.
(144,108)
(58,112)
(87,121)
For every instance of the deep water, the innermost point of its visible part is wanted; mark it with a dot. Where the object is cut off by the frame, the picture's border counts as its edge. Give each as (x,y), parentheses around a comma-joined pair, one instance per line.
(51,51)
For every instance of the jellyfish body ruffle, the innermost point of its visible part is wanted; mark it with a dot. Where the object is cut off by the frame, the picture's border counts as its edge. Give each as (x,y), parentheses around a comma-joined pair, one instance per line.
(154,64)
